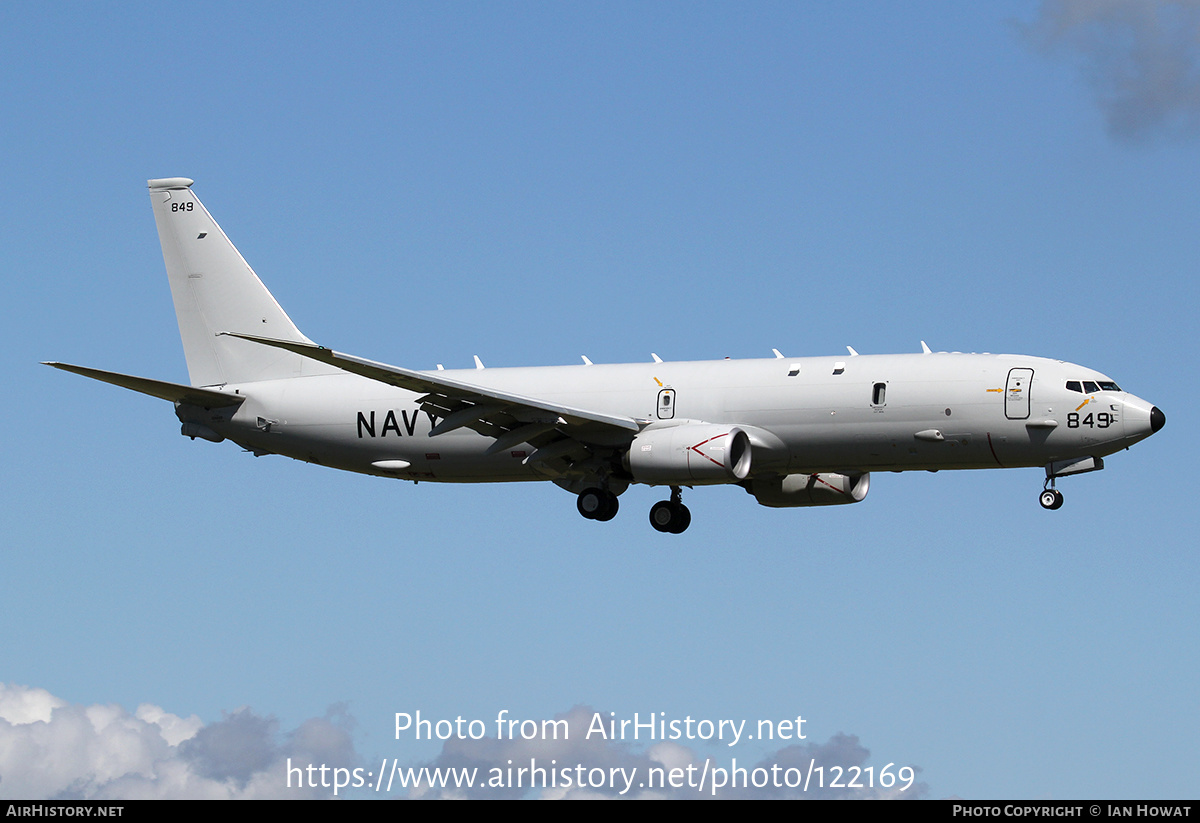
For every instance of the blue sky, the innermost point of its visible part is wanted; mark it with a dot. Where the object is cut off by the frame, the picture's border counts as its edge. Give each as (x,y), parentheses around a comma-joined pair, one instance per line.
(530,182)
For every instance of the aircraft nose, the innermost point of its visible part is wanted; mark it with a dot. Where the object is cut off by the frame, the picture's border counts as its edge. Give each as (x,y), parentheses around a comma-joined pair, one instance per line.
(1142,419)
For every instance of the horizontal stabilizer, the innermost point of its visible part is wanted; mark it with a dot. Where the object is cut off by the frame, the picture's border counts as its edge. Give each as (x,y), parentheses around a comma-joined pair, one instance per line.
(174,392)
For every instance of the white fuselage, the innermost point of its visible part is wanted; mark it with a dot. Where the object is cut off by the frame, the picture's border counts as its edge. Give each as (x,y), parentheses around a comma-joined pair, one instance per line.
(804,415)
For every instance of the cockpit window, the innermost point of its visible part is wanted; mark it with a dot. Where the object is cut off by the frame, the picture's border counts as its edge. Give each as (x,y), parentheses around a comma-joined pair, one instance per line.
(1091,386)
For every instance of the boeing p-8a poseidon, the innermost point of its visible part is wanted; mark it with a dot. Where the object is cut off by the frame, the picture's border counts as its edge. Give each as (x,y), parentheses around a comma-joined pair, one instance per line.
(790,431)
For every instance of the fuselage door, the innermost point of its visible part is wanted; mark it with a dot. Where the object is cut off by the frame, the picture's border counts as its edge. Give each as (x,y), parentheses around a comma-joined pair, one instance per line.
(1016,395)
(666,404)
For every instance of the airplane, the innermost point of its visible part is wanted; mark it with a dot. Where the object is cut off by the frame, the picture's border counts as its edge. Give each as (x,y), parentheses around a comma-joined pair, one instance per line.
(804,431)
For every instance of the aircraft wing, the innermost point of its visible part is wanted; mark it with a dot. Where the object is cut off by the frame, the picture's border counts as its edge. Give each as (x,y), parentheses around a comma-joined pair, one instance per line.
(175,392)
(491,412)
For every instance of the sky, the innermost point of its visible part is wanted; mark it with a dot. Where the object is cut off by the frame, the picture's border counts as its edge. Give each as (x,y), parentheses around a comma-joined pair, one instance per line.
(420,183)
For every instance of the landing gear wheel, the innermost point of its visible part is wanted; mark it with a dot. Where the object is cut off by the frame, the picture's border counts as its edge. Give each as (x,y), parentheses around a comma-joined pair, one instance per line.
(597,504)
(610,511)
(670,517)
(662,514)
(1051,499)
(591,503)
(685,519)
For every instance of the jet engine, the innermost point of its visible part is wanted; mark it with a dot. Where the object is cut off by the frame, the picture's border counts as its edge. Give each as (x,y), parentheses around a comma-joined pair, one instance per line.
(690,454)
(822,489)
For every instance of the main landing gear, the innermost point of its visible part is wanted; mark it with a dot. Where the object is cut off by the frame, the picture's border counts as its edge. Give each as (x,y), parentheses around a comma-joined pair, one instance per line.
(671,516)
(1050,498)
(597,504)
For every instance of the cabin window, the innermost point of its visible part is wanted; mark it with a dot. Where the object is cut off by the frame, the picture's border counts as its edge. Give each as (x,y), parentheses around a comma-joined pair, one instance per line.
(878,393)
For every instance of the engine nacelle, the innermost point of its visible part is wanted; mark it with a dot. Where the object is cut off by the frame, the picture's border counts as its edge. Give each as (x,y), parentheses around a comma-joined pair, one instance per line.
(690,454)
(824,489)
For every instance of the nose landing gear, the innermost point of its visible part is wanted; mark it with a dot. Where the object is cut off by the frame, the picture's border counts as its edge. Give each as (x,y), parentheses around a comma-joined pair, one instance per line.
(671,516)
(1050,497)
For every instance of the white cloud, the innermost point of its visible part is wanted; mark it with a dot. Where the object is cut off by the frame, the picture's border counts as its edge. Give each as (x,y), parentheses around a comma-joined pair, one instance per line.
(22,705)
(51,749)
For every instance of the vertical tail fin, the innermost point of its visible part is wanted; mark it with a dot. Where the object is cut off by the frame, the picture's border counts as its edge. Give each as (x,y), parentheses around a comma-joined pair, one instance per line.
(215,291)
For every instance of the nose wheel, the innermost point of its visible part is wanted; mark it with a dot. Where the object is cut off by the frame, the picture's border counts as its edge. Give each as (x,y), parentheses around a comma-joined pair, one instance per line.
(1051,499)
(671,516)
